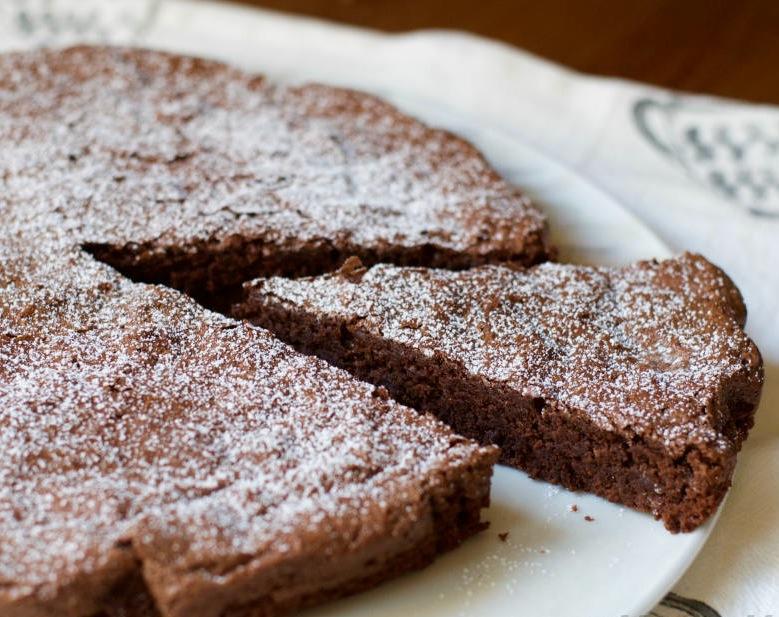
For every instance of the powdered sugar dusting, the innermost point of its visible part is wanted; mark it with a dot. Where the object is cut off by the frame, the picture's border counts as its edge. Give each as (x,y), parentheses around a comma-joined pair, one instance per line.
(649,350)
(131,415)
(149,152)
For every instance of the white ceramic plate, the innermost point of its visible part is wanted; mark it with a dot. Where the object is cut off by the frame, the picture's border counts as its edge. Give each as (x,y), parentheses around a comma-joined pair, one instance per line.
(553,561)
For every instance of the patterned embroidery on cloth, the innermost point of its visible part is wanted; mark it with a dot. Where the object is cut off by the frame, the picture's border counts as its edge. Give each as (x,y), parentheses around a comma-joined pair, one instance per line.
(678,606)
(733,151)
(62,22)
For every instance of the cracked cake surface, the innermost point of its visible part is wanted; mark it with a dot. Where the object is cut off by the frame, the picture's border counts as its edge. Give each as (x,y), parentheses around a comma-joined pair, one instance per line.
(188,172)
(636,383)
(161,458)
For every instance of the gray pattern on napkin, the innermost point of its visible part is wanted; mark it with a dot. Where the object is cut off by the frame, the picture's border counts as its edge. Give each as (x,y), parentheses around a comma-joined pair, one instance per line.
(733,151)
(58,22)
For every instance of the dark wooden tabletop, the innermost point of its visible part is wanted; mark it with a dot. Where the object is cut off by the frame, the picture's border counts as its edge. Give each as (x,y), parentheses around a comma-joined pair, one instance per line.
(724,47)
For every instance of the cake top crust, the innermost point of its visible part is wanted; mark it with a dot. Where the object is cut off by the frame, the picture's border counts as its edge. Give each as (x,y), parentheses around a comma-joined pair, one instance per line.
(130,415)
(151,152)
(653,350)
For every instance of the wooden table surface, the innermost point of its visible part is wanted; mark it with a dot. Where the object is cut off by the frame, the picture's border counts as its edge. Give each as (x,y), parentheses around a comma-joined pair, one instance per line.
(724,47)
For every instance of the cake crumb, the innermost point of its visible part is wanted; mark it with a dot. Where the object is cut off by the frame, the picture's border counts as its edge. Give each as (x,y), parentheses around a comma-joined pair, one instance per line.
(588,518)
(503,536)
(352,269)
(381,392)
(573,507)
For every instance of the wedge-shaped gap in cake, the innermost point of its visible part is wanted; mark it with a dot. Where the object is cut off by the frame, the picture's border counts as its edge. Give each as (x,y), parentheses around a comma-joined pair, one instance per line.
(213,272)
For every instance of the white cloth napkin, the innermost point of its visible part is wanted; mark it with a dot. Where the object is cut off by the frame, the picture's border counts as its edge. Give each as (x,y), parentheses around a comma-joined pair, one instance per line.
(702,173)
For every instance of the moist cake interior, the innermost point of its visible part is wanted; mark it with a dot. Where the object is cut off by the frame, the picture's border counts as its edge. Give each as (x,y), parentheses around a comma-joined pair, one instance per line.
(550,447)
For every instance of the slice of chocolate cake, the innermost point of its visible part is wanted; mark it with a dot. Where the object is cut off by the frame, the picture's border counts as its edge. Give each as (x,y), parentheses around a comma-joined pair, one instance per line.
(637,384)
(161,456)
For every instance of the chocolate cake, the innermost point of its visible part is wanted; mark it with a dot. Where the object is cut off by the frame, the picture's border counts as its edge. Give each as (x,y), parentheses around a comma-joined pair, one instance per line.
(159,457)
(637,383)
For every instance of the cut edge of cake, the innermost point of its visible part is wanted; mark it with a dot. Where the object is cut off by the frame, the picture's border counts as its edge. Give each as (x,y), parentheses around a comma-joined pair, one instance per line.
(679,480)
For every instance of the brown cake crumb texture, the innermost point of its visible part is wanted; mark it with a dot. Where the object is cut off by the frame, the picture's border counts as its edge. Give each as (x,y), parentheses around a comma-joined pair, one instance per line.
(161,458)
(637,384)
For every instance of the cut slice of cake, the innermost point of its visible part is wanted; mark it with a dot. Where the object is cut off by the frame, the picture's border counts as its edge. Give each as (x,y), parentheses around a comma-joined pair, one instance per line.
(160,457)
(637,383)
